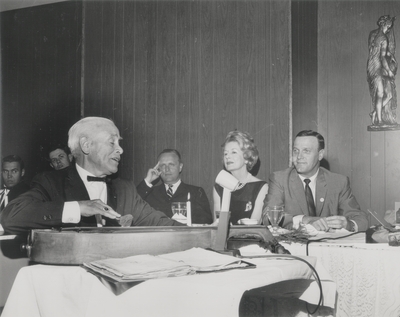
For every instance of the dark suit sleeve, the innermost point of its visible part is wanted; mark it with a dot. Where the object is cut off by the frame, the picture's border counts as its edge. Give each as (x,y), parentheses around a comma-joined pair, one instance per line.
(130,202)
(201,212)
(38,208)
(144,190)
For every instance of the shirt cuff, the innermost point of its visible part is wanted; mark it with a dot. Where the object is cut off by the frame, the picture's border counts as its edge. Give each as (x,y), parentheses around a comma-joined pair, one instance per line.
(148,184)
(297,220)
(355,226)
(71,212)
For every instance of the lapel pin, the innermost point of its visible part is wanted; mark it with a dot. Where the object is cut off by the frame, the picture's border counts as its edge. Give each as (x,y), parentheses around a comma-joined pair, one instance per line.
(321,200)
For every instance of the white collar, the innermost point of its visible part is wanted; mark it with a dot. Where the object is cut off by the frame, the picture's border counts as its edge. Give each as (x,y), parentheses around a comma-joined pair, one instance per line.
(312,178)
(173,186)
(83,173)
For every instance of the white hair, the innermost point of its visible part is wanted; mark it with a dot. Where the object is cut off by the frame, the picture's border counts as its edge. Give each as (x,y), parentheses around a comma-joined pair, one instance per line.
(84,128)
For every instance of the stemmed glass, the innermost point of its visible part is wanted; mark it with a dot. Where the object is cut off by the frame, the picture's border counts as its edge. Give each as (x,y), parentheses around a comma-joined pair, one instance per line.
(274,214)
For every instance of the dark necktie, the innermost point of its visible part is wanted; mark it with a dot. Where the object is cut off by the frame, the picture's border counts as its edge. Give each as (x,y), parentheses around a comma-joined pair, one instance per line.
(96,179)
(310,198)
(169,191)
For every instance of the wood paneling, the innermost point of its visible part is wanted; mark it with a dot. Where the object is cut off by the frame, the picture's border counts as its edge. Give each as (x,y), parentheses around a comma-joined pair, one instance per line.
(370,159)
(40,93)
(182,74)
(304,65)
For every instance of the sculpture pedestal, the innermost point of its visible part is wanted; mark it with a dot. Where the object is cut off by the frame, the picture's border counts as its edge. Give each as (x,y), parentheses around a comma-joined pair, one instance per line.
(384,127)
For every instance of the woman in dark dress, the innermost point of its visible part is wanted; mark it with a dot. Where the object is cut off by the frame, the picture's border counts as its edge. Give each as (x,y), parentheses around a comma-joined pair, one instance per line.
(240,154)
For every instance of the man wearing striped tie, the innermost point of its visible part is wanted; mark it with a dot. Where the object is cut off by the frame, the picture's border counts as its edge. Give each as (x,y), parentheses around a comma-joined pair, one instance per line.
(12,172)
(172,189)
(311,194)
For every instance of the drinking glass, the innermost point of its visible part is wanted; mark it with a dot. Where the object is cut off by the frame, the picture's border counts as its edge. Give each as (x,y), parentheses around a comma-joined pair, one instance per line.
(274,214)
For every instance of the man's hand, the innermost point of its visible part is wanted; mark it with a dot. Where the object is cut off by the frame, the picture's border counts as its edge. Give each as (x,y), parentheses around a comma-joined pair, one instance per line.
(325,223)
(153,174)
(337,222)
(97,207)
(317,222)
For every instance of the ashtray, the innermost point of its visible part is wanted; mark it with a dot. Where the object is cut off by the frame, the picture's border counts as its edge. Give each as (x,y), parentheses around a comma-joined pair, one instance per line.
(248,221)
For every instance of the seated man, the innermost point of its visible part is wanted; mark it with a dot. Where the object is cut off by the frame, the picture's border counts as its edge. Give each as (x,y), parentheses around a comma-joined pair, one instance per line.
(60,157)
(82,195)
(169,168)
(13,171)
(312,194)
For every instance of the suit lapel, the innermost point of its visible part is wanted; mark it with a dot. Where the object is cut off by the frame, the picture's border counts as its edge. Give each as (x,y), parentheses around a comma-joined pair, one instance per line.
(74,187)
(297,189)
(320,192)
(180,190)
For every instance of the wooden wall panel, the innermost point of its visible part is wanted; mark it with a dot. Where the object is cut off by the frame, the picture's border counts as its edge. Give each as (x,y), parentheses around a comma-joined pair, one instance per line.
(41,69)
(304,65)
(207,141)
(279,83)
(183,80)
(190,72)
(370,159)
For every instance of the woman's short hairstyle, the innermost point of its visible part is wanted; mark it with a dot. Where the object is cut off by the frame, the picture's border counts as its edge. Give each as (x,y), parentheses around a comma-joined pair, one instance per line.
(84,128)
(246,143)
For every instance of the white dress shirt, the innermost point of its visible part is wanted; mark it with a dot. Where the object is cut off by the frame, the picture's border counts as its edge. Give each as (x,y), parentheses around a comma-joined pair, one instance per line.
(313,184)
(96,190)
(174,187)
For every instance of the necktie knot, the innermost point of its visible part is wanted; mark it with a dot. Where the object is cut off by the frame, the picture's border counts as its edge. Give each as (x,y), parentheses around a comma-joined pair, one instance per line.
(307,181)
(96,179)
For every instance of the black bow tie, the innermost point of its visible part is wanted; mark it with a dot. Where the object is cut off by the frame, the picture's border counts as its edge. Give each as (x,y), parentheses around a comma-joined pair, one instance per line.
(96,179)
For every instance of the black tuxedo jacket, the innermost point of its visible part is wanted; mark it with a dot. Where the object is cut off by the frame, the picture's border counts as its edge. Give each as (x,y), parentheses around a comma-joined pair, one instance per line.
(42,206)
(157,197)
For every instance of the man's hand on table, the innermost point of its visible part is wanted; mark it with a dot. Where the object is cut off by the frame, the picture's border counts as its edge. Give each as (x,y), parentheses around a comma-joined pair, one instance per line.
(326,223)
(96,207)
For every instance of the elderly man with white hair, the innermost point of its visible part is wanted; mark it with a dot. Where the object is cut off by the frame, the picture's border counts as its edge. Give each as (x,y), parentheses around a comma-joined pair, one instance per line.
(83,194)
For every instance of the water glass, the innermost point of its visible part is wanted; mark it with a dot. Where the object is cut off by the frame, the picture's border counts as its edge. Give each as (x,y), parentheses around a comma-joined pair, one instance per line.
(275,215)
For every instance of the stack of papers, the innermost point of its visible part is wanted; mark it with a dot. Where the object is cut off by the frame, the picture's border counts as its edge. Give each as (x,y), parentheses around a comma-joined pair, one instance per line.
(144,267)
(138,268)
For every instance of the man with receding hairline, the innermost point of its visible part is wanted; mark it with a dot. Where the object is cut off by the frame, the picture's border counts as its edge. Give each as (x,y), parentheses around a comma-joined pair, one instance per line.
(83,194)
(169,168)
(311,194)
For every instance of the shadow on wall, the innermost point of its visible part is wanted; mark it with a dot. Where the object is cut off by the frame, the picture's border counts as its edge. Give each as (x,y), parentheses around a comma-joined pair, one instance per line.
(325,164)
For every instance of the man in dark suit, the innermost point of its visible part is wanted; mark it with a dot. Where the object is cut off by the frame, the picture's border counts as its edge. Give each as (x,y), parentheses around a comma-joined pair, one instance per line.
(80,195)
(169,168)
(329,202)
(13,171)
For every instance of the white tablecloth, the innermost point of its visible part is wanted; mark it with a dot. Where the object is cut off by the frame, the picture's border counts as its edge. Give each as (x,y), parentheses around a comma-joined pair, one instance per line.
(367,276)
(57,291)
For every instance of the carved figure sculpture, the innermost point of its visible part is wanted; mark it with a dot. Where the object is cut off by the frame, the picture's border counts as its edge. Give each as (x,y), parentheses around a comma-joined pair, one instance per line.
(381,71)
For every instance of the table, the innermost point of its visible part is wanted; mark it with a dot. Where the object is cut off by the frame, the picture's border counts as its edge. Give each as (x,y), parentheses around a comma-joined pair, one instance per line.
(44,290)
(9,264)
(367,276)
